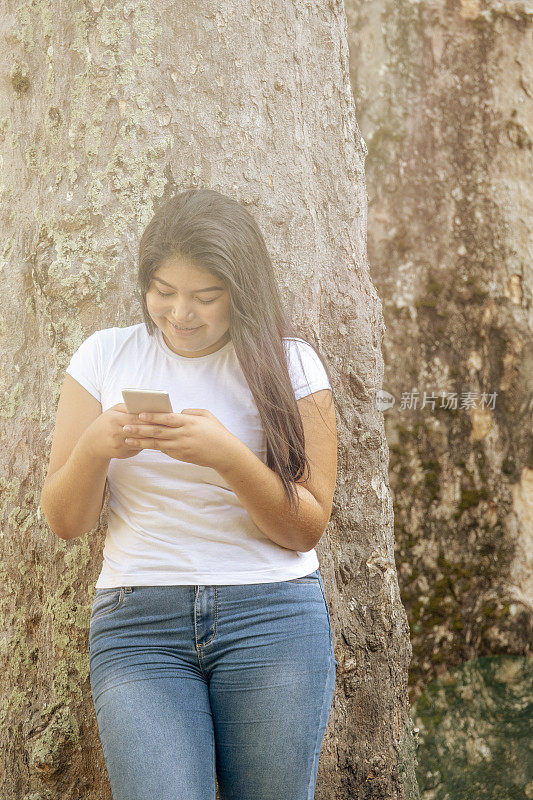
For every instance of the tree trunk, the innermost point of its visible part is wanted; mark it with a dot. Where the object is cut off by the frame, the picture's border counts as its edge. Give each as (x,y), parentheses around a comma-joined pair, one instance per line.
(444,100)
(106,108)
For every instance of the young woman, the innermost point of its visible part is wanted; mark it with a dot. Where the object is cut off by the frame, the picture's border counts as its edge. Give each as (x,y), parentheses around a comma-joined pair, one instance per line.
(210,646)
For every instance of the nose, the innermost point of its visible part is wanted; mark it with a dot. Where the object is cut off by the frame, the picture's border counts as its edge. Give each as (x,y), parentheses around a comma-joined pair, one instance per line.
(182,311)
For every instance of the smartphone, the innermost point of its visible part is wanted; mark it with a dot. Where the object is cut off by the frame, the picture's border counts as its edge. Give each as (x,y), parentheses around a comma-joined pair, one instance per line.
(138,400)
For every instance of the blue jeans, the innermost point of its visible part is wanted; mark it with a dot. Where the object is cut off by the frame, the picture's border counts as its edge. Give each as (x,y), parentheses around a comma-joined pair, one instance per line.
(193,682)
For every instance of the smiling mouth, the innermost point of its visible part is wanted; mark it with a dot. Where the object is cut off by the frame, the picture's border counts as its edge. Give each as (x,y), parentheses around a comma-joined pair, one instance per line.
(184,329)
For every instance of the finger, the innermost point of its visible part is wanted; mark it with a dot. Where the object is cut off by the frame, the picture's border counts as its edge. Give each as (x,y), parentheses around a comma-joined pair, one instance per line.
(148,431)
(170,419)
(160,418)
(143,444)
(121,407)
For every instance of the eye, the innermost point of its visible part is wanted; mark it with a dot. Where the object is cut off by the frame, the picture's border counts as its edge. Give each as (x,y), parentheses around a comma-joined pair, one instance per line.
(168,294)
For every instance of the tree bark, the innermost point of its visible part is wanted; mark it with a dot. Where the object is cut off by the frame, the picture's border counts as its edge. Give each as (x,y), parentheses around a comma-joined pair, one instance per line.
(444,99)
(106,109)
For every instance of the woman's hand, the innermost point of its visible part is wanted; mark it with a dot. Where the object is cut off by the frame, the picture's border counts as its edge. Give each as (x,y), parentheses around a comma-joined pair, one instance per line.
(105,436)
(195,436)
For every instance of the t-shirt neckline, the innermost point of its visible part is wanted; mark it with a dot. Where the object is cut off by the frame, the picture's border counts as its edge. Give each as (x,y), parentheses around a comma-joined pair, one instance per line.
(167,351)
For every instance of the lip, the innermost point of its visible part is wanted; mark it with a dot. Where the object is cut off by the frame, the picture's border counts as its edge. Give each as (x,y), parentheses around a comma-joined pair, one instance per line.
(184,333)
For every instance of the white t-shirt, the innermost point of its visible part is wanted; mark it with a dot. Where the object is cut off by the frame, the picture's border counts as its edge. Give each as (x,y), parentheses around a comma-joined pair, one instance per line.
(172,522)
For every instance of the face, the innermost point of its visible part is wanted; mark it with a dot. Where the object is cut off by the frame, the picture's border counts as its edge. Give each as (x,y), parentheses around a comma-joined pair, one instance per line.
(185,296)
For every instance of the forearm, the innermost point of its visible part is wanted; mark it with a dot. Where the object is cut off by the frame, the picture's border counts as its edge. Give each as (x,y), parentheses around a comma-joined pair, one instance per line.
(261,492)
(72,498)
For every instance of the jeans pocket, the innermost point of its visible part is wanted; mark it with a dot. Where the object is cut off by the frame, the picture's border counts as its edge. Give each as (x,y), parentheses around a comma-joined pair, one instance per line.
(108,600)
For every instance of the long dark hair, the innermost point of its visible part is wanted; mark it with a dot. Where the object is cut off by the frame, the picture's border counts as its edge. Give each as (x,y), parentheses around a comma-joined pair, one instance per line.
(218,234)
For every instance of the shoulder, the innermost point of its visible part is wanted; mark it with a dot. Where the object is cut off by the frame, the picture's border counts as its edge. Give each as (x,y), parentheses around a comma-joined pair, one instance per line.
(300,349)
(293,344)
(108,337)
(306,368)
(292,341)
(107,341)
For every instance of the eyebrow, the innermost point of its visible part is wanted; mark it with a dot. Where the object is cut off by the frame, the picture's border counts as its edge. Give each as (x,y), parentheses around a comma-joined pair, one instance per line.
(208,289)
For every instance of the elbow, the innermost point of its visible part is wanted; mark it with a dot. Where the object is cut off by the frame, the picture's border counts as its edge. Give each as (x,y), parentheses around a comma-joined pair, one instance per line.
(41,510)
(60,535)
(65,535)
(312,538)
(58,522)
(310,544)
(314,524)
(54,527)
(317,533)
(57,529)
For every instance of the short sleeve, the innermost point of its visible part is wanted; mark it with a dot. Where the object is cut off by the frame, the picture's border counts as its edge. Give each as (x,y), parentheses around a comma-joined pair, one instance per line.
(308,376)
(85,366)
